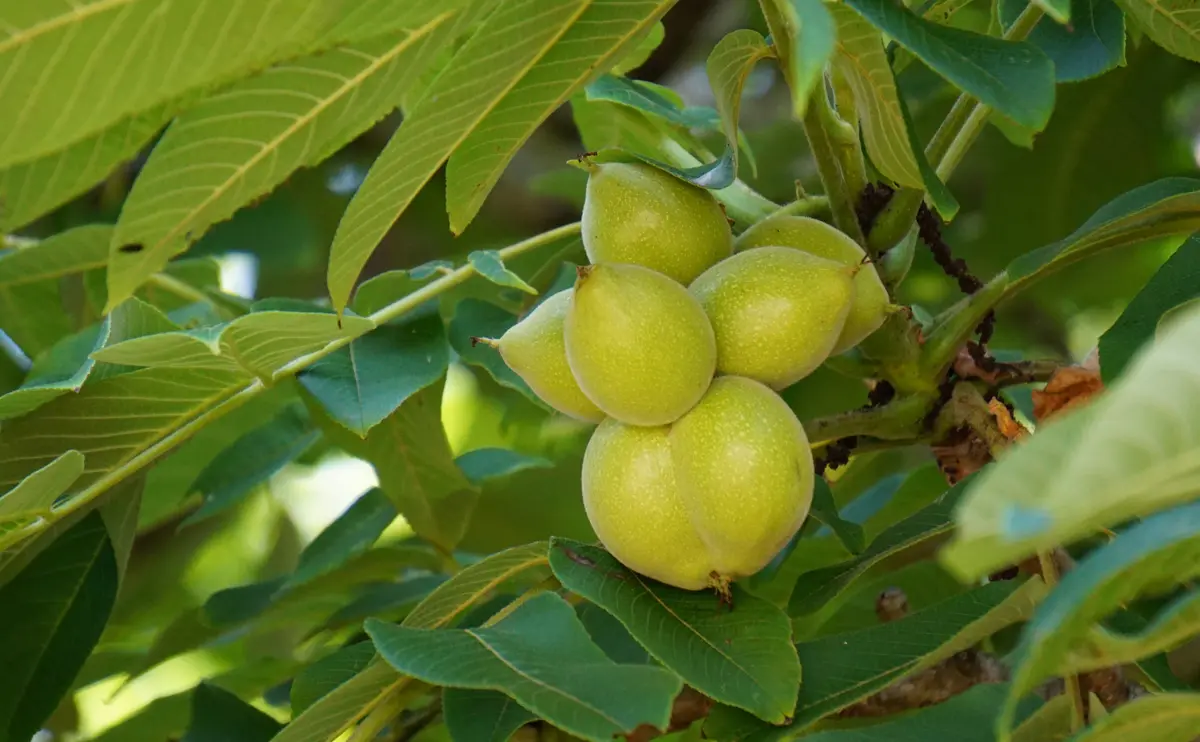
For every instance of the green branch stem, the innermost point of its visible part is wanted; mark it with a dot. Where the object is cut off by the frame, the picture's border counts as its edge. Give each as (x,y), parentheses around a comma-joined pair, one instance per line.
(238,397)
(836,176)
(901,419)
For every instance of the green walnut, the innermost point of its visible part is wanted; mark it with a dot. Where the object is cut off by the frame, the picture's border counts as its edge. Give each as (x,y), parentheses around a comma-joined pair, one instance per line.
(636,213)
(638,343)
(777,312)
(871,302)
(535,350)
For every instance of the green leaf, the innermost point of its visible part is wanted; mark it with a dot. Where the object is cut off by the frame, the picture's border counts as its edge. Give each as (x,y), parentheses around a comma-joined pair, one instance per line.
(483,464)
(54,612)
(475,318)
(1063,636)
(1014,77)
(1050,723)
(37,492)
(451,600)
(220,716)
(1176,282)
(637,55)
(247,139)
(855,665)
(482,715)
(1172,24)
(488,264)
(1167,206)
(825,510)
(1130,453)
(328,673)
(73,251)
(362,384)
(541,656)
(390,601)
(64,368)
(473,85)
(112,421)
(651,99)
(600,36)
(351,534)
(30,189)
(264,342)
(811,36)
(379,291)
(861,59)
(198,349)
(728,66)
(741,657)
(1169,717)
(1092,45)
(338,709)
(34,332)
(251,460)
(416,467)
(920,533)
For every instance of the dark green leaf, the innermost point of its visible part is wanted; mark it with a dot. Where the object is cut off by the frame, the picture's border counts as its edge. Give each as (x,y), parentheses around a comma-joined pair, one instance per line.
(252,460)
(54,612)
(825,510)
(482,715)
(483,464)
(379,291)
(742,657)
(542,657)
(647,98)
(611,635)
(1170,717)
(391,601)
(1015,78)
(239,604)
(416,468)
(351,534)
(328,673)
(1176,282)
(220,716)
(1092,44)
(488,264)
(474,318)
(1063,635)
(362,384)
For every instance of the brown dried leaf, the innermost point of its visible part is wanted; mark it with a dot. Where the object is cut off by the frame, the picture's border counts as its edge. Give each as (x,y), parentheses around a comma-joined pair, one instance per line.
(1070,387)
(961,454)
(1010,428)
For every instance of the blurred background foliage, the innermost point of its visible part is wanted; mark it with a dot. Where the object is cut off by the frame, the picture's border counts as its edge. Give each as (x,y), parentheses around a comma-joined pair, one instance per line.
(1107,135)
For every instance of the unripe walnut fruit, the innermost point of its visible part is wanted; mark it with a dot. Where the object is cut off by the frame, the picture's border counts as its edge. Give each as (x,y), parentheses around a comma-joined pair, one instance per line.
(636,213)
(871,301)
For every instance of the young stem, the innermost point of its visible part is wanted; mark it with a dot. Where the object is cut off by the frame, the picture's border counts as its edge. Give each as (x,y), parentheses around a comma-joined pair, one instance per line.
(835,177)
(1071,687)
(898,420)
(240,396)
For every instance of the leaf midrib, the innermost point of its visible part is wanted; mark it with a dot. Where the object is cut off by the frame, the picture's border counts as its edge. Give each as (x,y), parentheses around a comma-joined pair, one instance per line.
(77,14)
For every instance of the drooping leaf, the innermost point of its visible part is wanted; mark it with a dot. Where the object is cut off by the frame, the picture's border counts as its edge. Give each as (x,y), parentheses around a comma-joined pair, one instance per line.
(650,99)
(416,469)
(328,673)
(474,318)
(861,59)
(1130,453)
(253,459)
(352,533)
(362,384)
(482,715)
(472,86)
(1172,24)
(98,423)
(1015,78)
(54,612)
(73,251)
(1169,717)
(64,368)
(1167,206)
(825,510)
(1178,281)
(247,139)
(483,464)
(541,656)
(600,36)
(1093,45)
(265,342)
(38,491)
(807,37)
(30,189)
(856,664)
(741,657)
(220,716)
(728,66)
(488,264)
(1063,636)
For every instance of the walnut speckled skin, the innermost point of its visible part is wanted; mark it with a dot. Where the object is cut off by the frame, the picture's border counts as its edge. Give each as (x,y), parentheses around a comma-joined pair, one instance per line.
(635,508)
(636,213)
(638,343)
(776,312)
(869,309)
(535,350)
(743,464)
